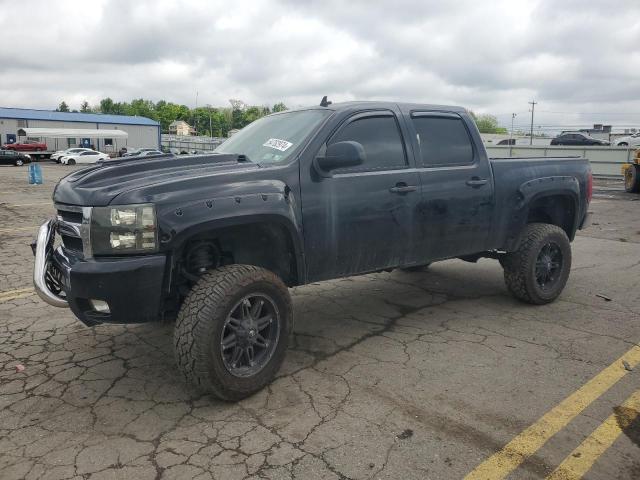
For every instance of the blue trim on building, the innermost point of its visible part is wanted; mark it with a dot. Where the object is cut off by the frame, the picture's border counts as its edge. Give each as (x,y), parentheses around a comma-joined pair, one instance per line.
(98,118)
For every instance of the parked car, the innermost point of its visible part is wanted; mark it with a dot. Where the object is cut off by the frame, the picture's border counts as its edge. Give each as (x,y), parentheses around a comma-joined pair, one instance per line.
(133,152)
(26,146)
(11,157)
(69,151)
(297,197)
(84,157)
(148,153)
(578,139)
(628,141)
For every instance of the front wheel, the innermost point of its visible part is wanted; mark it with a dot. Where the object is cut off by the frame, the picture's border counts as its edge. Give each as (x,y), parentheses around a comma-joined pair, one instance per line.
(232,331)
(19,162)
(71,161)
(538,271)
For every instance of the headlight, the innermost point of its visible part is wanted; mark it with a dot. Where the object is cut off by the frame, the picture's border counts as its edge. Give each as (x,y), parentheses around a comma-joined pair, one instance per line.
(123,229)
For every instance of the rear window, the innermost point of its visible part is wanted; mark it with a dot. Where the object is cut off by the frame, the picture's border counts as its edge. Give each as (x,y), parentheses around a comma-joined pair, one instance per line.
(443,141)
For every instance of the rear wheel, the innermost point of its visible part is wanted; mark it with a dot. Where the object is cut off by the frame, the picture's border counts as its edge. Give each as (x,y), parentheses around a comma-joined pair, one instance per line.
(632,179)
(538,271)
(232,331)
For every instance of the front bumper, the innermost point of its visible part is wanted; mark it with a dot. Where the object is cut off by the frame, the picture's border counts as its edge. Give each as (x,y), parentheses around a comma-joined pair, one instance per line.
(131,286)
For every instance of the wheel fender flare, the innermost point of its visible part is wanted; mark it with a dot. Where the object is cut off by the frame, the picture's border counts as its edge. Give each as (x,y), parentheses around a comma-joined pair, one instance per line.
(532,190)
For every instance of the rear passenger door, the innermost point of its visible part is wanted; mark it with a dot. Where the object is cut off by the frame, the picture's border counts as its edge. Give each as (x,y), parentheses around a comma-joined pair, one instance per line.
(361,219)
(456,204)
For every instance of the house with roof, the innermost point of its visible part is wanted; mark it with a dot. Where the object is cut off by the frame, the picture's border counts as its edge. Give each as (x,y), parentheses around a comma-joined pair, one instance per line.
(180,127)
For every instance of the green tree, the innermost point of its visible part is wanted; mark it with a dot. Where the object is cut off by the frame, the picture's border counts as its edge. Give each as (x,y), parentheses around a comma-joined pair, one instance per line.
(251,114)
(279,107)
(63,107)
(167,112)
(106,105)
(84,107)
(488,124)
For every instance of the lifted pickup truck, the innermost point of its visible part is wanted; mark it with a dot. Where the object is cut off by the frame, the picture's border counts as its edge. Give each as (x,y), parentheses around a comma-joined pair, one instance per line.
(298,197)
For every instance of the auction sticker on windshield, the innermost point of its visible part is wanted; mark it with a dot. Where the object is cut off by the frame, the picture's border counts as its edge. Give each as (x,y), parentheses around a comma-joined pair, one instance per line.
(278,144)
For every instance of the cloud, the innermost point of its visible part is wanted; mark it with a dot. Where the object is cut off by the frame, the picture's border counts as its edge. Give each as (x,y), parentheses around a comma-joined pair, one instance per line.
(573,57)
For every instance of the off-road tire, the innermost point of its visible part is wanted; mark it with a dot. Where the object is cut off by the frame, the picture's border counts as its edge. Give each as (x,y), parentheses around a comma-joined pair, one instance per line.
(632,179)
(519,266)
(201,320)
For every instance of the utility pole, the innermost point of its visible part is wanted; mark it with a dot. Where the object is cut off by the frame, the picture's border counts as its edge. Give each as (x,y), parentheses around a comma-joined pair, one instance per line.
(513,116)
(195,115)
(533,108)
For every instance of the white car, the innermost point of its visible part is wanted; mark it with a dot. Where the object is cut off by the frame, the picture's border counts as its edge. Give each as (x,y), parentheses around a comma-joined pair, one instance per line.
(84,157)
(69,151)
(629,141)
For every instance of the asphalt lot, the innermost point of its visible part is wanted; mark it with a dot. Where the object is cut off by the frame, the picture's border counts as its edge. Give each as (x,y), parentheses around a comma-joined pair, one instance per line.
(392,375)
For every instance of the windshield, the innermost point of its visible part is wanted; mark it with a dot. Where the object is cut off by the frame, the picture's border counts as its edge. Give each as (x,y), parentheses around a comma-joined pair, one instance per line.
(274,138)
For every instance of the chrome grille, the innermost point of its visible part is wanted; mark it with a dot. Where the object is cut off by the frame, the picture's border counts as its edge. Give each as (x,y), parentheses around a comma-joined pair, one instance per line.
(72,222)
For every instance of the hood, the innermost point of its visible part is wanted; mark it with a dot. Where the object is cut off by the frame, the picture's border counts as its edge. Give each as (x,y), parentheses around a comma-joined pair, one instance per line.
(140,179)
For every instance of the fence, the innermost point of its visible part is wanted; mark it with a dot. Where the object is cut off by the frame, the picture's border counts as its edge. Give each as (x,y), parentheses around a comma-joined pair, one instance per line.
(605,161)
(189,144)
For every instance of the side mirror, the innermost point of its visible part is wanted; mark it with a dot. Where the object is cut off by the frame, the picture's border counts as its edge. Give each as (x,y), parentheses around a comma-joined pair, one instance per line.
(342,155)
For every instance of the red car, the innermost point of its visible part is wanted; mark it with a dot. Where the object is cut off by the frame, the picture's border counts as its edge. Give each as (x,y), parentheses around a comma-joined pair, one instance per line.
(29,145)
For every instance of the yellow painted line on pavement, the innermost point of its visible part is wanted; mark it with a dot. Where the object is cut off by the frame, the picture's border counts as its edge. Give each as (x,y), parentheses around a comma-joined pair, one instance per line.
(580,461)
(15,294)
(500,464)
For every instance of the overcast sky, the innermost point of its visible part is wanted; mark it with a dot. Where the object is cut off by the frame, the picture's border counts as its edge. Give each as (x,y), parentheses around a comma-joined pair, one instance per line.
(579,59)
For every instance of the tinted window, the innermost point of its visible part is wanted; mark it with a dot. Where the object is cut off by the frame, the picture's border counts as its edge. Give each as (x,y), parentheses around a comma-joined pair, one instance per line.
(443,141)
(380,138)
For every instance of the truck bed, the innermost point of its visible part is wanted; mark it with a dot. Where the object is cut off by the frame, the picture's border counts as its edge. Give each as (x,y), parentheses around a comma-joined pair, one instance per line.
(525,174)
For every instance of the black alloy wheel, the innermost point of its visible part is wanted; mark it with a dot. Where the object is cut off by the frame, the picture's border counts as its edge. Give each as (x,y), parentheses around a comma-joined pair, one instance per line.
(250,335)
(548,266)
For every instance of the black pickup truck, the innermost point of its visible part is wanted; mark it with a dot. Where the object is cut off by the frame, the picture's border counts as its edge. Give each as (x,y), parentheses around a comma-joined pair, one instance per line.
(297,197)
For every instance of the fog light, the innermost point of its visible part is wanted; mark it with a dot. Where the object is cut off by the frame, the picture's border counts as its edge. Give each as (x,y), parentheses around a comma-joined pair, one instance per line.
(100,306)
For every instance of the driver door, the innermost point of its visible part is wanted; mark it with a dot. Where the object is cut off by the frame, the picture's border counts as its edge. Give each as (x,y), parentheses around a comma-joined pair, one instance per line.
(361,219)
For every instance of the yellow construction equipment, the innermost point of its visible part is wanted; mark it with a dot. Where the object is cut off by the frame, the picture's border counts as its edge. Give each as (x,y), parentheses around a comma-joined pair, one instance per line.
(631,172)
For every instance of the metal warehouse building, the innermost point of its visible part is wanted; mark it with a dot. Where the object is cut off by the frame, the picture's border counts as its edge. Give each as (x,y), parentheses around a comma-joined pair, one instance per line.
(142,132)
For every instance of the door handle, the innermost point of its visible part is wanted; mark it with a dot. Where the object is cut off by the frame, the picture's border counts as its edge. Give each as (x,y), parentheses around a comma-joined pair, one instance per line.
(476,182)
(403,188)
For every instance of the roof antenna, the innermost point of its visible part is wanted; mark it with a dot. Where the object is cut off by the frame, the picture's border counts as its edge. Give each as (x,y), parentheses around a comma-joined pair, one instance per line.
(324,102)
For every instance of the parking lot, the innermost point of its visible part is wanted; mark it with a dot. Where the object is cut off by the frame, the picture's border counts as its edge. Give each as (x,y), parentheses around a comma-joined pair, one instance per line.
(432,375)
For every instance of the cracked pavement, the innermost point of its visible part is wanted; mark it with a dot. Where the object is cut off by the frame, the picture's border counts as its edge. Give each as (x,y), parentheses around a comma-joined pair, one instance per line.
(388,375)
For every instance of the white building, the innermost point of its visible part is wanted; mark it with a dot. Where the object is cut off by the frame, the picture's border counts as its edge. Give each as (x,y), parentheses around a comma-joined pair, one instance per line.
(142,132)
